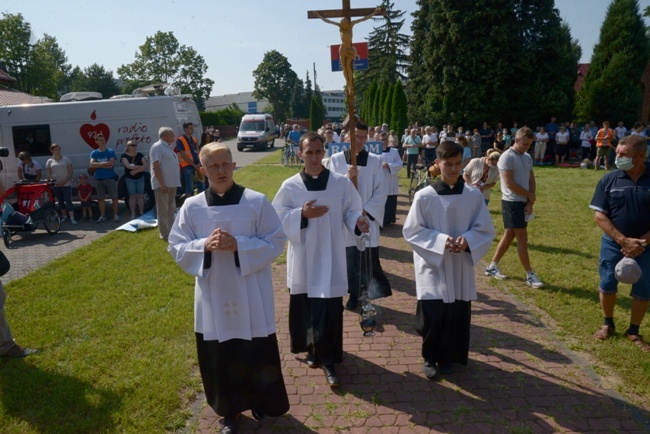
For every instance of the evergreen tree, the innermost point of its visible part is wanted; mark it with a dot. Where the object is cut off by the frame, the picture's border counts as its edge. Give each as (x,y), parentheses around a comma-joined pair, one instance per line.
(315,114)
(490,60)
(611,89)
(399,116)
(544,41)
(387,47)
(388,105)
(298,108)
(417,75)
(308,93)
(378,104)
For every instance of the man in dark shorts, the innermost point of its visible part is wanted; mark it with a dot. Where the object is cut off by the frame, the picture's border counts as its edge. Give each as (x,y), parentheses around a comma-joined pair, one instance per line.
(518,189)
(622,205)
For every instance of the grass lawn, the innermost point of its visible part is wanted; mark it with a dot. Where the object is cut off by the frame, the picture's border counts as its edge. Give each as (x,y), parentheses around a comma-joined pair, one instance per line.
(114,320)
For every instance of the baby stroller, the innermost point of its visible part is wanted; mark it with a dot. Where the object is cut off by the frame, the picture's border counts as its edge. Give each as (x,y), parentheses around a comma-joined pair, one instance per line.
(25,206)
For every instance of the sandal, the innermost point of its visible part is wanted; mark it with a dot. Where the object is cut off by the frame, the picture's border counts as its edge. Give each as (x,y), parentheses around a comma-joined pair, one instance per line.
(639,342)
(604,332)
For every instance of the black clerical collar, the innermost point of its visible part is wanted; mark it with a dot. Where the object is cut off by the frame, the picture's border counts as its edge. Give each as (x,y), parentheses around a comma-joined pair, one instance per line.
(362,157)
(318,183)
(443,189)
(231,197)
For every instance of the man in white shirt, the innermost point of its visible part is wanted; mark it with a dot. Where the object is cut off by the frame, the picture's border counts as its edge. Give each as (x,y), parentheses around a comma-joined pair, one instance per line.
(164,179)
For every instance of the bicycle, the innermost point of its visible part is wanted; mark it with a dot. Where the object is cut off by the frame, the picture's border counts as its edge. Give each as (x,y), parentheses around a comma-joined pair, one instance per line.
(289,157)
(421,178)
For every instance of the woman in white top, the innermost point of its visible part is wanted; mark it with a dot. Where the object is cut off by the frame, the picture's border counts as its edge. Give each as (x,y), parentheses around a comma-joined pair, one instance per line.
(28,169)
(541,139)
(585,145)
(482,173)
(59,168)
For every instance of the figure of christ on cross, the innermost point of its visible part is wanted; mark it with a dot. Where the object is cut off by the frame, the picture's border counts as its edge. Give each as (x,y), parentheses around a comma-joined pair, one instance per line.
(347,53)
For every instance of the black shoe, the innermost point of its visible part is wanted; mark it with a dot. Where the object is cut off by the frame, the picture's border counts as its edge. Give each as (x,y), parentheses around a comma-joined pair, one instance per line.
(312,361)
(229,424)
(429,370)
(330,376)
(18,352)
(353,302)
(258,416)
(445,368)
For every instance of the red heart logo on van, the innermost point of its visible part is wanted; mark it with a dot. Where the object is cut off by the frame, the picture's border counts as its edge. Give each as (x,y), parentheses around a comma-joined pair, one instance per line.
(88,133)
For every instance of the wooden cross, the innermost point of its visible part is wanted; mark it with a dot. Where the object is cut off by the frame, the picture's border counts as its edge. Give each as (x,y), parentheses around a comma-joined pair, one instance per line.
(347,53)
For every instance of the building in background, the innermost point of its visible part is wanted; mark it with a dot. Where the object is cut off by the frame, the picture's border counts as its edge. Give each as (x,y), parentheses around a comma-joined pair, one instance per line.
(244,100)
(334,101)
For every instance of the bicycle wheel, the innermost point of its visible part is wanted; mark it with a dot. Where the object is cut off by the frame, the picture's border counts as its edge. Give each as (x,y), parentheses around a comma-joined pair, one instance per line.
(52,221)
(413,186)
(283,157)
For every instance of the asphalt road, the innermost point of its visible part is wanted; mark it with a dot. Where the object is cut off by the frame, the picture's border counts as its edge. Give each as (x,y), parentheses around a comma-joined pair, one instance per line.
(249,156)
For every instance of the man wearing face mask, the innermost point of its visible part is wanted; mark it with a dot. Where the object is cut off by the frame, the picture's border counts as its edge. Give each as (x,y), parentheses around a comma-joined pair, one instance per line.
(622,205)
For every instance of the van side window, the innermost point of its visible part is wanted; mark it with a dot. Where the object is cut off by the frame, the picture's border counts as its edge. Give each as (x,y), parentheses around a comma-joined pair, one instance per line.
(34,139)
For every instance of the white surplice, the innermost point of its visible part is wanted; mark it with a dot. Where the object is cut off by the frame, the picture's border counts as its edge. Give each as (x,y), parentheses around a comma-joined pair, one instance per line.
(394,166)
(316,262)
(230,301)
(439,274)
(370,181)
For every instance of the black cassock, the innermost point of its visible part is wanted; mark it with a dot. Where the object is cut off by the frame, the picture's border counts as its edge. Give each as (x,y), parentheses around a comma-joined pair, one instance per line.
(239,374)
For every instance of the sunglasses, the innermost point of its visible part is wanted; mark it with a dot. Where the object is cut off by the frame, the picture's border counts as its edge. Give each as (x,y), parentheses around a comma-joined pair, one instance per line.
(135,146)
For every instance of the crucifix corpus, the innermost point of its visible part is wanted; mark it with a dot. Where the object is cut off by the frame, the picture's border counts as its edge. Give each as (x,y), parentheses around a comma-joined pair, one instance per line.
(347,54)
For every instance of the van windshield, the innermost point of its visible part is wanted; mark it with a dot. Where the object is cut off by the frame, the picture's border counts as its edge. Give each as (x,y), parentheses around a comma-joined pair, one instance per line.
(252,126)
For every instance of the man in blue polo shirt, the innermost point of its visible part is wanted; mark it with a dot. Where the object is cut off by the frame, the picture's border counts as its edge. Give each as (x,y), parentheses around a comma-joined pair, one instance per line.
(552,128)
(622,205)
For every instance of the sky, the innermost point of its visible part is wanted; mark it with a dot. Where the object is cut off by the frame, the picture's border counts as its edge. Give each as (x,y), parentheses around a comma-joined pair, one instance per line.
(232,36)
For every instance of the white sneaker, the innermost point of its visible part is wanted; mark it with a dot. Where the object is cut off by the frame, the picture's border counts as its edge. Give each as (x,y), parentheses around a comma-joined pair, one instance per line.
(73,221)
(101,219)
(495,272)
(533,281)
(117,218)
(64,219)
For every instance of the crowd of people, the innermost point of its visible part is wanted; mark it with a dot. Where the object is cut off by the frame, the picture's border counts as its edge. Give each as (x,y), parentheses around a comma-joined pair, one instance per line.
(331,213)
(333,232)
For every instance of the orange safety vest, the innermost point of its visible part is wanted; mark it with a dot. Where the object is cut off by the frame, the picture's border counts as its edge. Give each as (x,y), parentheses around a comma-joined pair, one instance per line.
(186,149)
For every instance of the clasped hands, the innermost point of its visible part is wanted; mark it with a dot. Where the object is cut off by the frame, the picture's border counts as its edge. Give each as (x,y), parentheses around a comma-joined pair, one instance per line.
(220,240)
(632,247)
(456,246)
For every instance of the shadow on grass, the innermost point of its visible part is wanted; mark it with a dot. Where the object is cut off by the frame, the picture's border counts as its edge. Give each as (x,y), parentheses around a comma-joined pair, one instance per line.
(41,237)
(558,251)
(512,384)
(54,403)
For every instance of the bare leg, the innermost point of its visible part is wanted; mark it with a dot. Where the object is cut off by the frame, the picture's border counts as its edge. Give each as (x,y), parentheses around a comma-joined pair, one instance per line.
(607,303)
(140,199)
(102,207)
(115,204)
(132,204)
(639,309)
(503,245)
(522,247)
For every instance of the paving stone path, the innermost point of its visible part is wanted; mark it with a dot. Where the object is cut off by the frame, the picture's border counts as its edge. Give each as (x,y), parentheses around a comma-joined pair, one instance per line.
(520,378)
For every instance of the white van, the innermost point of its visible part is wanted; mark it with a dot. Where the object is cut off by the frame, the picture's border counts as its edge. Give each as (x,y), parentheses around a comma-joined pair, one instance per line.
(256,131)
(73,125)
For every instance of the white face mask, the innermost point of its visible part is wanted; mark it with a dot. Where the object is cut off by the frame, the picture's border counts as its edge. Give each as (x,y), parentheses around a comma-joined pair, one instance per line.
(624,163)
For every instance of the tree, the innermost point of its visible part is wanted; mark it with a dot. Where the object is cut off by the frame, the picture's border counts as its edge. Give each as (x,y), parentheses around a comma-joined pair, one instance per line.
(315,114)
(15,35)
(94,79)
(387,110)
(47,68)
(378,104)
(161,59)
(387,47)
(611,89)
(298,109)
(399,116)
(39,69)
(490,60)
(274,80)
